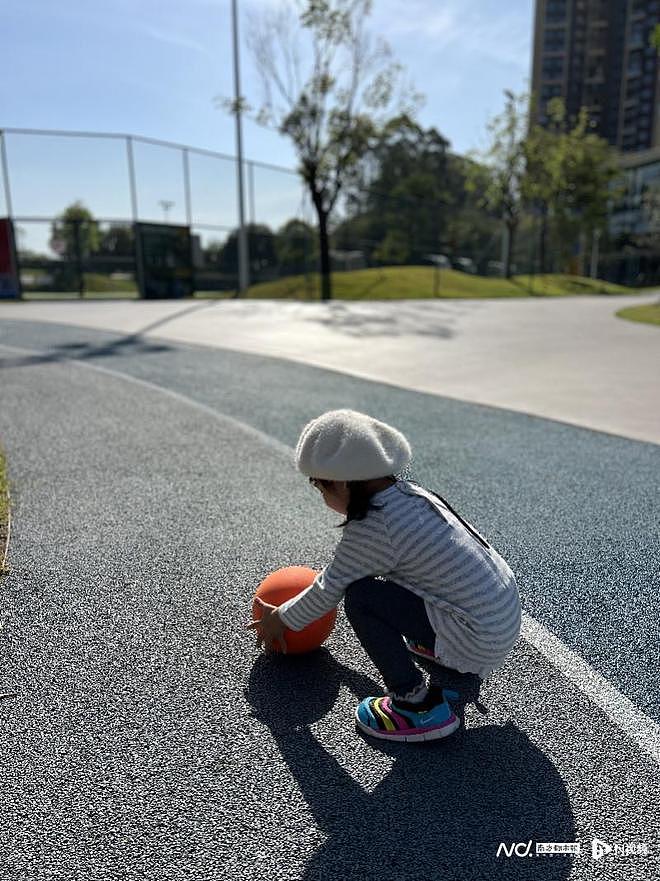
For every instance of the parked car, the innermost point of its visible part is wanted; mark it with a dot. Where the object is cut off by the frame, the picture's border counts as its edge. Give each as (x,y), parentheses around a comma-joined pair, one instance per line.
(439,260)
(495,267)
(464,264)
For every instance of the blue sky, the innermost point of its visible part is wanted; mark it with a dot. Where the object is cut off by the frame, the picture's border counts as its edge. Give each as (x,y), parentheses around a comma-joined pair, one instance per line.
(153,68)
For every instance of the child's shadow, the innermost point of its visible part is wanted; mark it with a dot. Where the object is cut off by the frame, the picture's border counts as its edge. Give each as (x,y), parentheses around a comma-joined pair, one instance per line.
(444,807)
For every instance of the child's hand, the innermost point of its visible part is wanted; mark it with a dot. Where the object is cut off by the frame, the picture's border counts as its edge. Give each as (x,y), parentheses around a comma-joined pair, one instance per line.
(270,628)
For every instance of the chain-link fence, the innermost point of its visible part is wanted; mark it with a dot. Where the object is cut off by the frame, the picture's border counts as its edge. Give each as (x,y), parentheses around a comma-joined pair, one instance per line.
(115,215)
(78,202)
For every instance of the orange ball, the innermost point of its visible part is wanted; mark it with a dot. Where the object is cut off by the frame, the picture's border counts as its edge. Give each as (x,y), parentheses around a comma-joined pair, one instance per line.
(283,584)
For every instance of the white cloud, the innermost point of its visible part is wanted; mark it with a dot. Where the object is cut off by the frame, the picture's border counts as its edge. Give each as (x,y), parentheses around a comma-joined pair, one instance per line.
(421,18)
(176,39)
(486,29)
(493,30)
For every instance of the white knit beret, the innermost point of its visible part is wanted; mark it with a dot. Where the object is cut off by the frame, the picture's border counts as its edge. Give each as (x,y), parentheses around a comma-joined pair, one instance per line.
(348,445)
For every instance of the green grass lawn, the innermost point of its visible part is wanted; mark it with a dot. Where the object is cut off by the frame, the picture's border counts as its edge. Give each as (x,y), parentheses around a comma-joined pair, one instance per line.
(648,314)
(74,295)
(386,283)
(4,511)
(97,287)
(421,282)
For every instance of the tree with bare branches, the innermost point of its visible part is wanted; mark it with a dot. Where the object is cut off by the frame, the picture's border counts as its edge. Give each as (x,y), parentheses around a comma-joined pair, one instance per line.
(500,175)
(332,112)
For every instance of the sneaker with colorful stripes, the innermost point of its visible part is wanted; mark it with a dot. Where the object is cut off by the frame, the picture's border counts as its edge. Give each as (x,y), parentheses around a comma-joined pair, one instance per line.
(382,717)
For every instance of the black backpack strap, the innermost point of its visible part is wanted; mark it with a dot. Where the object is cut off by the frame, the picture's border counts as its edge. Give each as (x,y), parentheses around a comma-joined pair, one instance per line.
(469,528)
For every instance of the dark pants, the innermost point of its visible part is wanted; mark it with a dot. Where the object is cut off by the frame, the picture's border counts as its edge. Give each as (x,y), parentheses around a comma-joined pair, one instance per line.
(381,613)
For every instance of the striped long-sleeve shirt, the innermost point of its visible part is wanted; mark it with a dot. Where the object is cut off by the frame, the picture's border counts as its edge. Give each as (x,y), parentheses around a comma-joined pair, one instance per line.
(415,540)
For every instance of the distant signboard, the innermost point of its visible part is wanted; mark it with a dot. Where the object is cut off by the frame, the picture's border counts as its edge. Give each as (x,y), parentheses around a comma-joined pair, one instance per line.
(164,261)
(10,286)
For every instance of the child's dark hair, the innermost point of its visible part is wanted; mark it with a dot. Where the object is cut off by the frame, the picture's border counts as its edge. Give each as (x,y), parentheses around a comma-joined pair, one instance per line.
(359,503)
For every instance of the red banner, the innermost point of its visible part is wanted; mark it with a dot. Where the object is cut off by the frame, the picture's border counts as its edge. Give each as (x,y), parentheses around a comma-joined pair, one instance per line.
(9,283)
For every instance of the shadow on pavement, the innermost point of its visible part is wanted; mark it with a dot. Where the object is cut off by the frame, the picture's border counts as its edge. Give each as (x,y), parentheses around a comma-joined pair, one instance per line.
(372,320)
(133,344)
(443,808)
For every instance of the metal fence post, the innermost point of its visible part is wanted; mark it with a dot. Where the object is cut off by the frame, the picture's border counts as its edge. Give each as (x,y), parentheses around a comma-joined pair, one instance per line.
(242,242)
(186,188)
(137,243)
(131,178)
(5,174)
(12,227)
(250,166)
(79,268)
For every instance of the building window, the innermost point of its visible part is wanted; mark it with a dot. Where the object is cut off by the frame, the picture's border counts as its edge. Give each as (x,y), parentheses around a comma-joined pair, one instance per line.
(548,92)
(555,10)
(554,39)
(553,68)
(637,34)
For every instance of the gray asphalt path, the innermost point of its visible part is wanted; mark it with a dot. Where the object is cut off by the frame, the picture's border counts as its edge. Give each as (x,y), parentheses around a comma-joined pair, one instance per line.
(149,740)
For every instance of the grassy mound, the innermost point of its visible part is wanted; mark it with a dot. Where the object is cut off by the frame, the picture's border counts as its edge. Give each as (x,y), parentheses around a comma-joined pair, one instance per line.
(420,282)
(385,283)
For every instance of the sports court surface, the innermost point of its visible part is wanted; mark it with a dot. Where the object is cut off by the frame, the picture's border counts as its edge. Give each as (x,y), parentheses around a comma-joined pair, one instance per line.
(154,487)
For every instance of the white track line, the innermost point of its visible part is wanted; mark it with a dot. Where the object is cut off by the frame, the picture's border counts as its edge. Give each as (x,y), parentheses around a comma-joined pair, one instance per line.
(619,709)
(616,706)
(261,436)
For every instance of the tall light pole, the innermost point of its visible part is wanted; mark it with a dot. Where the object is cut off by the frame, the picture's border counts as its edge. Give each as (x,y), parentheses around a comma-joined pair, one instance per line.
(243,260)
(165,204)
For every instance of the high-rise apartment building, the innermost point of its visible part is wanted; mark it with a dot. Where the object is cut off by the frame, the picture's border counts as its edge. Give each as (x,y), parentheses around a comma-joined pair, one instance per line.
(597,54)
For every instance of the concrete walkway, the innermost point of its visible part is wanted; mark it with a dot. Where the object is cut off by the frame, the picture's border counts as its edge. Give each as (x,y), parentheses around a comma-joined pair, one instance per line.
(568,359)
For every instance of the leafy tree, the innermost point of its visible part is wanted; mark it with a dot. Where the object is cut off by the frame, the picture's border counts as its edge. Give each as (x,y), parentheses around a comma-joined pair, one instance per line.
(572,171)
(355,232)
(539,185)
(405,187)
(261,245)
(296,247)
(403,195)
(471,229)
(586,165)
(74,234)
(333,114)
(213,252)
(117,241)
(394,249)
(505,164)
